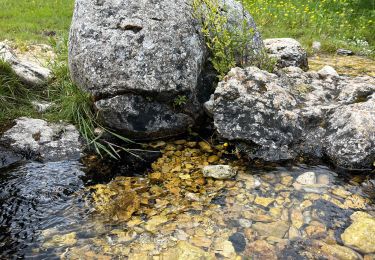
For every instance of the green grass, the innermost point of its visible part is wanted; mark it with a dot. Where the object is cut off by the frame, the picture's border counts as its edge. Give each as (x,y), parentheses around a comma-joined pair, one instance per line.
(335,23)
(31,20)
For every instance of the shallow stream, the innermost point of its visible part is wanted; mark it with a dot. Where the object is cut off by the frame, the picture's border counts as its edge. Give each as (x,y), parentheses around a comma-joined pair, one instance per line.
(170,211)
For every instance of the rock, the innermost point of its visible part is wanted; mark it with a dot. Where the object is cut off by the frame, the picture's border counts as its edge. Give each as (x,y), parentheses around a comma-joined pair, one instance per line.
(37,139)
(316,46)
(220,172)
(344,52)
(41,106)
(307,178)
(238,242)
(360,234)
(225,248)
(350,141)
(29,72)
(274,229)
(287,51)
(206,147)
(8,157)
(209,106)
(260,249)
(283,116)
(328,71)
(265,202)
(340,252)
(61,240)
(184,250)
(146,64)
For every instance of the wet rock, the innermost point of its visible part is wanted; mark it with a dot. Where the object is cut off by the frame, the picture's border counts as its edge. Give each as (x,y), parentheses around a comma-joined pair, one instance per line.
(288,52)
(184,250)
(340,252)
(61,240)
(37,139)
(344,52)
(238,242)
(285,115)
(260,249)
(275,229)
(8,157)
(265,202)
(224,248)
(359,235)
(29,72)
(220,172)
(307,178)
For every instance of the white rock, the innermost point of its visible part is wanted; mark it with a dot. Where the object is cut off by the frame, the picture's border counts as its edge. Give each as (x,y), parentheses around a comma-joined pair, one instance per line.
(328,71)
(307,178)
(41,106)
(219,171)
(29,72)
(316,46)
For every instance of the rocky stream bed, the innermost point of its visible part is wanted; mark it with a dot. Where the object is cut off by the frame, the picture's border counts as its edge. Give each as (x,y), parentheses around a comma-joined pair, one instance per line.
(172,211)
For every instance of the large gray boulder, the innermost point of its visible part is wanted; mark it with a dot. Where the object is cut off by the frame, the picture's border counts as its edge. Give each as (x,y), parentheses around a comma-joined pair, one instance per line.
(29,72)
(37,139)
(282,116)
(138,57)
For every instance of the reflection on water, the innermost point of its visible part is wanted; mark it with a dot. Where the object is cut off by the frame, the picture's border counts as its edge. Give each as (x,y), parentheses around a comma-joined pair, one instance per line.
(174,212)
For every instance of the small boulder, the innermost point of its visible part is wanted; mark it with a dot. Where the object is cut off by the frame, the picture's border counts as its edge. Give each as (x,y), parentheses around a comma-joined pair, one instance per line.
(29,72)
(220,172)
(37,139)
(287,51)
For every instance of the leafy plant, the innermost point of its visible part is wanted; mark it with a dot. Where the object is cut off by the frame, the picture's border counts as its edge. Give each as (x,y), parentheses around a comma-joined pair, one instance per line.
(230,46)
(180,100)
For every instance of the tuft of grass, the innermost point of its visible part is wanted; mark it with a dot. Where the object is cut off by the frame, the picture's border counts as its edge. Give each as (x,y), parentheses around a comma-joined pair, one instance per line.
(75,106)
(14,96)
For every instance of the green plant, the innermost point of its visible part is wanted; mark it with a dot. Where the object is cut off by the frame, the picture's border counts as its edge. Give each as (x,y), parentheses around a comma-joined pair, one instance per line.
(230,46)
(14,96)
(180,100)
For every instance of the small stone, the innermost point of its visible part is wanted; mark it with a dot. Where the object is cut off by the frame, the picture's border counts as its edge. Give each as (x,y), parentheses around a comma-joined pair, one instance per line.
(315,229)
(307,178)
(361,233)
(238,242)
(180,142)
(344,52)
(356,201)
(260,249)
(293,233)
(275,229)
(154,222)
(184,251)
(201,241)
(341,193)
(265,202)
(245,223)
(316,46)
(191,144)
(213,158)
(286,180)
(61,240)
(340,252)
(206,147)
(323,179)
(328,71)
(296,218)
(156,177)
(219,171)
(225,248)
